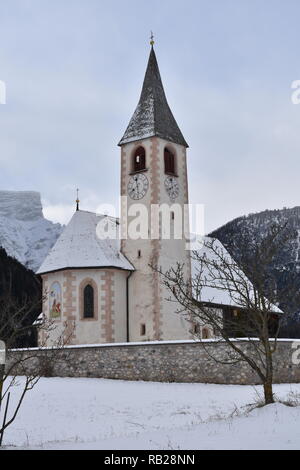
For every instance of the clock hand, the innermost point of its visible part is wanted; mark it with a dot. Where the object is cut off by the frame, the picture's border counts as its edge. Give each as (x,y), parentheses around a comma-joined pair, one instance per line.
(136,183)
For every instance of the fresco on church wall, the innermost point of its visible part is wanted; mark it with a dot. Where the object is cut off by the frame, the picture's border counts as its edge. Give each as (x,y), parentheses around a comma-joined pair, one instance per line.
(55,300)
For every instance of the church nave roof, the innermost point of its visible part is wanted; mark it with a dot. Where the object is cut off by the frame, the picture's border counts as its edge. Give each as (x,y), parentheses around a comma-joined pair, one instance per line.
(80,247)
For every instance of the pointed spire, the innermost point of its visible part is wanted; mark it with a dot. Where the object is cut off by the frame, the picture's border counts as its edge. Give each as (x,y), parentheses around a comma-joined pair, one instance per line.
(77,200)
(153,116)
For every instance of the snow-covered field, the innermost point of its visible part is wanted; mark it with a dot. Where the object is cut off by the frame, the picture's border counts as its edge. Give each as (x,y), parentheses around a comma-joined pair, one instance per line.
(70,413)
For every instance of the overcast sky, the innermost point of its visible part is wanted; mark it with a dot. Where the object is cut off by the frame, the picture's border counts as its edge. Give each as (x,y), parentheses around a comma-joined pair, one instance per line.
(74,71)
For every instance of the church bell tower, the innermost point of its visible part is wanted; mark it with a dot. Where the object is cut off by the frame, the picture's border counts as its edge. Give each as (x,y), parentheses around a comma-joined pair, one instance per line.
(153,175)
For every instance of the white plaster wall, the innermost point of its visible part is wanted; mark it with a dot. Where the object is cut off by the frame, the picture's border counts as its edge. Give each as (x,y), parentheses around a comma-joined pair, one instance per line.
(141,281)
(88,331)
(120,303)
(175,326)
(144,288)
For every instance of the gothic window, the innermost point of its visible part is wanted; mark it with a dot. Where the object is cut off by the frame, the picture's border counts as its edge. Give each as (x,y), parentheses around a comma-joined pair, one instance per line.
(169,158)
(143,329)
(205,333)
(139,159)
(88,301)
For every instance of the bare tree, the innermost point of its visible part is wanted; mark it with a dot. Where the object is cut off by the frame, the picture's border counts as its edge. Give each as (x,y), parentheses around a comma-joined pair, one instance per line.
(234,301)
(28,362)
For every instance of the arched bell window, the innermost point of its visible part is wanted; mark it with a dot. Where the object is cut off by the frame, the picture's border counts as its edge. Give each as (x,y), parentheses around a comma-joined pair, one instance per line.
(88,301)
(169,158)
(139,159)
(205,333)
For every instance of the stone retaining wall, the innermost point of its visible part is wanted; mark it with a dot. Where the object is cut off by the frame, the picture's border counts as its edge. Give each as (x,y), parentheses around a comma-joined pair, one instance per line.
(181,361)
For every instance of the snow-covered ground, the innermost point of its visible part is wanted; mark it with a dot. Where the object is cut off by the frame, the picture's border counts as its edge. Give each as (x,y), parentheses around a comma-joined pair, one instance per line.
(70,413)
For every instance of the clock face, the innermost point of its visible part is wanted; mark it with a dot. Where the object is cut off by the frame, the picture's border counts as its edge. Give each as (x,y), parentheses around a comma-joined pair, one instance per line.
(138,186)
(172,187)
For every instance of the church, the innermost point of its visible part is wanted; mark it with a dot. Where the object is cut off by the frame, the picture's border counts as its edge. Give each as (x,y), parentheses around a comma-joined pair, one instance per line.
(104,290)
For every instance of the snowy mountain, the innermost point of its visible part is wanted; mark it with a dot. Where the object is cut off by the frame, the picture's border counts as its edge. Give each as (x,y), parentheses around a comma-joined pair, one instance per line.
(237,237)
(24,232)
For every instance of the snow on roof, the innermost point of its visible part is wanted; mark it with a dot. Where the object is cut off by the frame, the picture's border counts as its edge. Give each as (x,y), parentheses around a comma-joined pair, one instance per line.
(39,320)
(80,247)
(208,248)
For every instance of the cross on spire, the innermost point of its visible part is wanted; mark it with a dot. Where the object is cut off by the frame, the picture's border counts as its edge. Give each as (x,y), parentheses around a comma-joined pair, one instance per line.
(77,200)
(152,39)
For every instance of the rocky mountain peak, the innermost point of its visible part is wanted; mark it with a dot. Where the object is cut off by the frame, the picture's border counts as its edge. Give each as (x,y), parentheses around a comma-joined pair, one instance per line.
(24,232)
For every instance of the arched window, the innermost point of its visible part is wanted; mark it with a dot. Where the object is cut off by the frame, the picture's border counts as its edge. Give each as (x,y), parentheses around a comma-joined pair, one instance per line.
(205,333)
(139,159)
(88,301)
(169,162)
